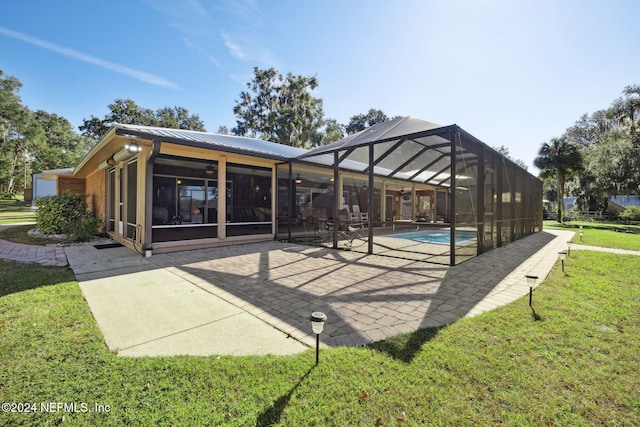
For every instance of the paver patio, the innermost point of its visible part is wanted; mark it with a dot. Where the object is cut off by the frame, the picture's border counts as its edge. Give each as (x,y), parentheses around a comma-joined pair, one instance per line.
(366,297)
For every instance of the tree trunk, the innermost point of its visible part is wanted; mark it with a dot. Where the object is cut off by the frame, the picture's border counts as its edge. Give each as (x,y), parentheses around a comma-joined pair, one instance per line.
(12,176)
(561,208)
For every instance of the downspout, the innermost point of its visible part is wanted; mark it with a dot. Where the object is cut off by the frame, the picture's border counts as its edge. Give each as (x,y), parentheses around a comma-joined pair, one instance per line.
(148,203)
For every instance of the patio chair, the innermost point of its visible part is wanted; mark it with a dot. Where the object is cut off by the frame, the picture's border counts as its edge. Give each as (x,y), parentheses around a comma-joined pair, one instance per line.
(355,231)
(364,217)
(322,226)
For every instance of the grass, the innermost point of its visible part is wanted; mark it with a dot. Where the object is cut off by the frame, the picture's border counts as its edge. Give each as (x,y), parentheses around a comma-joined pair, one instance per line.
(605,235)
(18,234)
(576,365)
(16,211)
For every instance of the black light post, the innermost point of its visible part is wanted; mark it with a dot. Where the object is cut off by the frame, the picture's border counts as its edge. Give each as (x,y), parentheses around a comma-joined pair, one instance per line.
(562,254)
(569,247)
(317,324)
(531,281)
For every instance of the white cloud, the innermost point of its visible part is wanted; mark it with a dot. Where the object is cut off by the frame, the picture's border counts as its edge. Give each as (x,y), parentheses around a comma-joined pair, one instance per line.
(197,7)
(247,11)
(233,47)
(72,53)
(211,58)
(249,50)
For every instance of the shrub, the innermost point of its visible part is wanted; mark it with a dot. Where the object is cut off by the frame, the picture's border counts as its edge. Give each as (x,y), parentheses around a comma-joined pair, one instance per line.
(66,214)
(7,195)
(631,213)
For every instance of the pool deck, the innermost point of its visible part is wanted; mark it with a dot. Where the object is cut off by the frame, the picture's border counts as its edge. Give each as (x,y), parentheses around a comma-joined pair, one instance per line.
(367,298)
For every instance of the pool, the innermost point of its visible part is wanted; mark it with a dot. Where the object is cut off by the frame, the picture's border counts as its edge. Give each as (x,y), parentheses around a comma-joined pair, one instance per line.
(436,236)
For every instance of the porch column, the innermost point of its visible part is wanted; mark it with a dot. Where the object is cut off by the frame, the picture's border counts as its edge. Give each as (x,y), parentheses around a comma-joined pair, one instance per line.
(371,197)
(452,196)
(480,211)
(222,198)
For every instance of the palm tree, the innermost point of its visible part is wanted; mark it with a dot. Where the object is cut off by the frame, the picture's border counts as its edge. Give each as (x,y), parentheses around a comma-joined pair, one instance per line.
(560,158)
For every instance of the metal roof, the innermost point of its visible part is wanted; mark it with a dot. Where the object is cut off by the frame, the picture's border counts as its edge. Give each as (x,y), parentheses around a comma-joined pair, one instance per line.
(405,148)
(234,144)
(229,143)
(380,132)
(625,201)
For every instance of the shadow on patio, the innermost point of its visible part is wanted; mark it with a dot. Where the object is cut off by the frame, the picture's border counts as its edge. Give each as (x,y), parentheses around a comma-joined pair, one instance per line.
(367,298)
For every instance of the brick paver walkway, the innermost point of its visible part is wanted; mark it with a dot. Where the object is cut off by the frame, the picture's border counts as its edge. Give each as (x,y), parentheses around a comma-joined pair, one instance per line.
(43,255)
(365,297)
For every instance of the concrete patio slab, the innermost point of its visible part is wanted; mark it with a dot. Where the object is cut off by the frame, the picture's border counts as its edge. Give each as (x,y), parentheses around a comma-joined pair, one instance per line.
(143,310)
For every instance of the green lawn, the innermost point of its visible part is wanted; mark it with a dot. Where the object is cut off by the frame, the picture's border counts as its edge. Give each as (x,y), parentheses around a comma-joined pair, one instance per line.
(576,365)
(16,211)
(19,234)
(608,235)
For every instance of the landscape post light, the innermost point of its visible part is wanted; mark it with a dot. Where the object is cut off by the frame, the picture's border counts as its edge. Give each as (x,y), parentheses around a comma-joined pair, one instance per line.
(317,325)
(562,254)
(531,281)
(569,247)
(581,233)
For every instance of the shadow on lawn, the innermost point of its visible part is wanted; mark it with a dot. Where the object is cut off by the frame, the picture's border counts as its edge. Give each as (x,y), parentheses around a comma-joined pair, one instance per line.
(272,414)
(535,315)
(404,347)
(17,277)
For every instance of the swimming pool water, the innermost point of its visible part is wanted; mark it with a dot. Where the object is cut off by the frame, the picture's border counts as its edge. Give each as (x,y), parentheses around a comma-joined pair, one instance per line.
(436,236)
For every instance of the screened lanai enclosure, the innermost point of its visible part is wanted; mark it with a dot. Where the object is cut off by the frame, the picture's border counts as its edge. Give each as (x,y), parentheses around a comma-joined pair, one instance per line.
(407,188)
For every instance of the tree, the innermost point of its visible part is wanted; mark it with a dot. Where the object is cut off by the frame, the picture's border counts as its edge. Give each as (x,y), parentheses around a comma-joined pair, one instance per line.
(332,132)
(18,135)
(504,151)
(94,128)
(615,164)
(279,108)
(126,111)
(559,158)
(609,143)
(627,108)
(589,129)
(178,118)
(362,121)
(62,147)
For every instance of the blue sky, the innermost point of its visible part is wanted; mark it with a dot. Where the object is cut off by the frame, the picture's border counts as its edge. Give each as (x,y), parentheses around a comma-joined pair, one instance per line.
(510,72)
